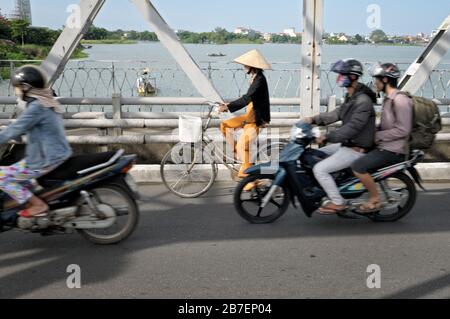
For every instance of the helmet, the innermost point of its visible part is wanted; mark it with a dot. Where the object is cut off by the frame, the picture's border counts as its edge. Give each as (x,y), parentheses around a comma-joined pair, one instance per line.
(388,70)
(29,75)
(349,66)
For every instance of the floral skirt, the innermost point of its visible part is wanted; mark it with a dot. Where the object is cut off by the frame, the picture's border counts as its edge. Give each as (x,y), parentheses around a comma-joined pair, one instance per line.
(17,180)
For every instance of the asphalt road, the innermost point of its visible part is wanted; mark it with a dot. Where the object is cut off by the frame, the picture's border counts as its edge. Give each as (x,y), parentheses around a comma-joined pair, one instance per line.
(202,249)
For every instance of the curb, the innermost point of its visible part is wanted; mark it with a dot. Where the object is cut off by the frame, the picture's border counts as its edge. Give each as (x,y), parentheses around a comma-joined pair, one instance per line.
(430,172)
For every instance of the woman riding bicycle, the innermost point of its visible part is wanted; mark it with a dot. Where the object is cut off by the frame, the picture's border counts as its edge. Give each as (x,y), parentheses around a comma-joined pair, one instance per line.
(257,101)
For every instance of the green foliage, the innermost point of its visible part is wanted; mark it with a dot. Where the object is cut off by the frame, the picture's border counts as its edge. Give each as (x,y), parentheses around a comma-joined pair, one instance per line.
(19,30)
(5,28)
(42,36)
(277,38)
(358,38)
(378,36)
(95,33)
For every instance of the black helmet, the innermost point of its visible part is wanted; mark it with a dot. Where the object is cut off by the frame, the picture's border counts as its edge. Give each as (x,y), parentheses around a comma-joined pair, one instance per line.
(388,70)
(29,75)
(349,66)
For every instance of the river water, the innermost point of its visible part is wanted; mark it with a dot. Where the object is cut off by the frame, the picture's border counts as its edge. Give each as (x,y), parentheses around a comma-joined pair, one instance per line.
(94,76)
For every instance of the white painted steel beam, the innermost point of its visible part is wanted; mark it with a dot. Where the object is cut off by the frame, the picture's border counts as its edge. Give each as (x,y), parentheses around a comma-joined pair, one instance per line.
(70,38)
(311,57)
(419,72)
(170,40)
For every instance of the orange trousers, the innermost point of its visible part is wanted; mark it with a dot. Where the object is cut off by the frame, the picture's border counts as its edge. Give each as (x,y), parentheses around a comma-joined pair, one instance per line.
(243,147)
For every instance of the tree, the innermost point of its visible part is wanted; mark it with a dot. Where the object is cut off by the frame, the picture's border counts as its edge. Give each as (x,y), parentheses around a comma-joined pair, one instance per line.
(5,28)
(41,36)
(358,38)
(148,36)
(19,29)
(95,33)
(378,36)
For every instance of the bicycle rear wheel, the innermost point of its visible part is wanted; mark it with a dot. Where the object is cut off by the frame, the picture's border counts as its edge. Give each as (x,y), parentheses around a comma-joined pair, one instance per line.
(184,172)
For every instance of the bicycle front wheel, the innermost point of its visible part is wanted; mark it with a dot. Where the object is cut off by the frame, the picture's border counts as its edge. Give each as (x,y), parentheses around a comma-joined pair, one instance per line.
(184,172)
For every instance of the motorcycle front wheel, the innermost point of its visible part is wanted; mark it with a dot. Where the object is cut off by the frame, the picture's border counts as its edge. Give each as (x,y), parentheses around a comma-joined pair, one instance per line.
(249,195)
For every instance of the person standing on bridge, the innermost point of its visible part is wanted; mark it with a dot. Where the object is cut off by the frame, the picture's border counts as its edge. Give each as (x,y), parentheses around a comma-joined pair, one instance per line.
(47,146)
(257,101)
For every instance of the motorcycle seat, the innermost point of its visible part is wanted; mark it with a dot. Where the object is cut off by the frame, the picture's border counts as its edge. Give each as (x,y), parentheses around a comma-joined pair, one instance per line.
(70,168)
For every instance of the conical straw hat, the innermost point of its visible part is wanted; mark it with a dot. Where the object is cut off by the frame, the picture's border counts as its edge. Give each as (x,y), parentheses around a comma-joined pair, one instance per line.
(254,59)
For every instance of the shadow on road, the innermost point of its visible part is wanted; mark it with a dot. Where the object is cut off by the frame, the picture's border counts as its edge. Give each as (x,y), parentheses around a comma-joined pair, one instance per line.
(29,262)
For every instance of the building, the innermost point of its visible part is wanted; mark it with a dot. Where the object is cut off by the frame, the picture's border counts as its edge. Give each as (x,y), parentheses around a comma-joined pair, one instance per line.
(241,31)
(267,37)
(290,32)
(343,38)
(22,10)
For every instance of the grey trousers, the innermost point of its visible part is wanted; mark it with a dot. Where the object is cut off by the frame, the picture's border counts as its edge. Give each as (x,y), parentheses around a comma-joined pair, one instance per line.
(341,157)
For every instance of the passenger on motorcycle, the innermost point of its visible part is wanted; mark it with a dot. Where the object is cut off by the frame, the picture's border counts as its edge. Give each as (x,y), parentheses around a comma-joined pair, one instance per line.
(392,136)
(47,146)
(353,139)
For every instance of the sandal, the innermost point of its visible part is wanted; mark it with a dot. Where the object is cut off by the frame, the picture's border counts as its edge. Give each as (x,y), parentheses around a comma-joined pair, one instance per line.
(332,209)
(369,208)
(26,214)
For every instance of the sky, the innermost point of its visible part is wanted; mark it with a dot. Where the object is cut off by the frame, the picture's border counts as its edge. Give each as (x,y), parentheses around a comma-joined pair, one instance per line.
(397,17)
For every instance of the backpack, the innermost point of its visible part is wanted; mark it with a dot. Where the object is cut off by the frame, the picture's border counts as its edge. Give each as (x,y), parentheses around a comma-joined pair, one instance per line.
(427,123)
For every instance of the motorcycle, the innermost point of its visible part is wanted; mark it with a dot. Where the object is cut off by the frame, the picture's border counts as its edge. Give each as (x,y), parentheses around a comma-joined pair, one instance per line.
(275,185)
(90,194)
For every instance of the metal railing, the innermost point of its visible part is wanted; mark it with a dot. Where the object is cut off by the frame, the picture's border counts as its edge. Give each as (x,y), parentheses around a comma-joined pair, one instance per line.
(104,78)
(118,127)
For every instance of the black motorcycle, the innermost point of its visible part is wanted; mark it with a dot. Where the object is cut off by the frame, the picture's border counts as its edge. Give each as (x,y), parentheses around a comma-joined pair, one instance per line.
(273,186)
(90,194)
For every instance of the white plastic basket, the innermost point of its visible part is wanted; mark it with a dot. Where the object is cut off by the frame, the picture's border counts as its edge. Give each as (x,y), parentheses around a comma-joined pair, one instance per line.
(190,129)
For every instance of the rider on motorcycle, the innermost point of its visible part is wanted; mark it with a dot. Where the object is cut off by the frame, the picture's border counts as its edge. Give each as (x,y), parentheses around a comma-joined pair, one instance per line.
(392,136)
(47,146)
(353,139)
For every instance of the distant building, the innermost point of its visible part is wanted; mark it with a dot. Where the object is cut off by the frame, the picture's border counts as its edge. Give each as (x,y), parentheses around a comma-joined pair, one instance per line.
(343,38)
(421,35)
(290,32)
(22,10)
(241,31)
(267,37)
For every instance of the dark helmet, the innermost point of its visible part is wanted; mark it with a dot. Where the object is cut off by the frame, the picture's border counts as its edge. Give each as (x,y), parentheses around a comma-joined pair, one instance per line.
(31,76)
(388,70)
(349,66)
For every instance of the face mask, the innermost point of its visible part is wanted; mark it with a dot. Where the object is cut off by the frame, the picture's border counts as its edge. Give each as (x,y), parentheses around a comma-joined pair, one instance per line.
(344,81)
(21,105)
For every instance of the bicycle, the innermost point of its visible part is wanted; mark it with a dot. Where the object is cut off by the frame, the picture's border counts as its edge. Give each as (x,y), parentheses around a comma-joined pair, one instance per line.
(185,173)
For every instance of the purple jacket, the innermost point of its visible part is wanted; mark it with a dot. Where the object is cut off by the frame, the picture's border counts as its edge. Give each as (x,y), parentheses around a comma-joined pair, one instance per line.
(396,123)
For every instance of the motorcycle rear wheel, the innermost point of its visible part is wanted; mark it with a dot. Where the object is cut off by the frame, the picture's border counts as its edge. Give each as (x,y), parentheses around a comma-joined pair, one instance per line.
(404,195)
(127,217)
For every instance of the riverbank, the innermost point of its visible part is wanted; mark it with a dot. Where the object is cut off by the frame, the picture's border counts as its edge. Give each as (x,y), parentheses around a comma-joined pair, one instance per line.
(109,42)
(10,51)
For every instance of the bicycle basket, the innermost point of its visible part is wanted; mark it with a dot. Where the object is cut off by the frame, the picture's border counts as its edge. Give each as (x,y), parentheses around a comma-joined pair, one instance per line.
(190,129)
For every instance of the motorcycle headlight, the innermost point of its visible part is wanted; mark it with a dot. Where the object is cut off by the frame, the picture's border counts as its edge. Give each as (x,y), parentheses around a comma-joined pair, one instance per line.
(297,133)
